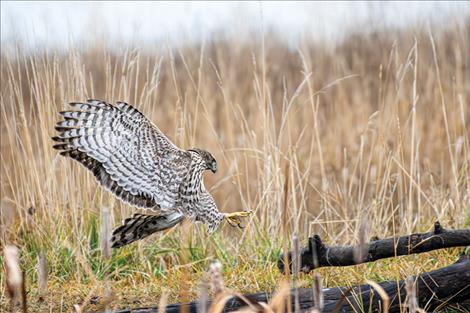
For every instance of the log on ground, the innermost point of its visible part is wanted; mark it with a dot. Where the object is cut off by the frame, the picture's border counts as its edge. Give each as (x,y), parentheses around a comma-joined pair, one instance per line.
(444,286)
(317,254)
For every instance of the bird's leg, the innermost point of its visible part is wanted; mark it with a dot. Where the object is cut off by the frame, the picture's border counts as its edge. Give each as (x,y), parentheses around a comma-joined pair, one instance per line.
(234,219)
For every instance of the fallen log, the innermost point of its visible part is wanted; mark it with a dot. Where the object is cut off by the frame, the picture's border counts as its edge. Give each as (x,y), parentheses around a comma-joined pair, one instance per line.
(447,285)
(317,254)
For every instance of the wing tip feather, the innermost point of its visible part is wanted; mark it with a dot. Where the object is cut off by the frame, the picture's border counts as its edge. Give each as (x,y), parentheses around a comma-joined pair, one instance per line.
(61,146)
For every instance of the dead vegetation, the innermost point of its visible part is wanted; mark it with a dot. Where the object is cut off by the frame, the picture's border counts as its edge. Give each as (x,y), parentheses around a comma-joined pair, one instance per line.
(314,140)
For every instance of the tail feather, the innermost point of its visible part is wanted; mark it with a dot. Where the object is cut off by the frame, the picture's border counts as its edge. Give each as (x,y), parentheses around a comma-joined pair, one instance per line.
(140,226)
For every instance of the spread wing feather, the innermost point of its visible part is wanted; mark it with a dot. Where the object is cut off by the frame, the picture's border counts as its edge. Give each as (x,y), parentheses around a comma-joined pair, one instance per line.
(127,154)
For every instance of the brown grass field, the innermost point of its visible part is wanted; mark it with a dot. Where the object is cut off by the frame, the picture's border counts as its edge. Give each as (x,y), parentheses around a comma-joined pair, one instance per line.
(373,129)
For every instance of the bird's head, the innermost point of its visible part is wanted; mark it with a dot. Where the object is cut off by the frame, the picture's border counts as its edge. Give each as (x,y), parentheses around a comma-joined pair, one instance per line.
(209,160)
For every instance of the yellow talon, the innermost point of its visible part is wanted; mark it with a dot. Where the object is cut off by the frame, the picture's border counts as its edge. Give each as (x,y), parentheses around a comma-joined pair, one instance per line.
(238,214)
(234,218)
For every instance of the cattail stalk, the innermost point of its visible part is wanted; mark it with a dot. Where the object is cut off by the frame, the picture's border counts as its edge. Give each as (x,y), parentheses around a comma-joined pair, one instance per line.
(203,296)
(163,302)
(217,281)
(105,238)
(362,247)
(411,298)
(317,293)
(296,270)
(105,244)
(14,277)
(42,275)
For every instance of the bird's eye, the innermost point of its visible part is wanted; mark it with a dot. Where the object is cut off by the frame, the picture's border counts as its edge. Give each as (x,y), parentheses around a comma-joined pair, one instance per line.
(213,166)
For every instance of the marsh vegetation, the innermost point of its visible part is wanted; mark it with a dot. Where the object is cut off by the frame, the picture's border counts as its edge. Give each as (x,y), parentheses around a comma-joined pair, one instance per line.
(314,139)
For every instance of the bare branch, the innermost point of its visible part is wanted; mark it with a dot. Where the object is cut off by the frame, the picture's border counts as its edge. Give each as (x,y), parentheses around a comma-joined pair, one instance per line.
(379,249)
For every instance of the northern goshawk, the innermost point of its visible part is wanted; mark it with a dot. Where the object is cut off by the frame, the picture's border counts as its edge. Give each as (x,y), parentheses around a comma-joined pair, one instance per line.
(134,160)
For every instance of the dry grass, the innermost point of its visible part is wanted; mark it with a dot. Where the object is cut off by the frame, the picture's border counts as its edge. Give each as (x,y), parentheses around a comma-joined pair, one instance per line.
(375,129)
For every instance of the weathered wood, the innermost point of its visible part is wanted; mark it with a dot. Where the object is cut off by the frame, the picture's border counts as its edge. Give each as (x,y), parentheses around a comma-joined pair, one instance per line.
(449,285)
(317,254)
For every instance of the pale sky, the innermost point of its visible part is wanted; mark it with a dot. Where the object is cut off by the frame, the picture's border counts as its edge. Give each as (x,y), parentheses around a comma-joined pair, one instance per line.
(53,23)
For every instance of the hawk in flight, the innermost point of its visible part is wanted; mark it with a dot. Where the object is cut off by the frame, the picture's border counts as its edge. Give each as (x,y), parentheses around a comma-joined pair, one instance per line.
(133,159)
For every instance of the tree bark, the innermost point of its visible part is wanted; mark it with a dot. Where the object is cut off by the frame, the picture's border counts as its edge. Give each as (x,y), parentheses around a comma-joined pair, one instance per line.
(317,254)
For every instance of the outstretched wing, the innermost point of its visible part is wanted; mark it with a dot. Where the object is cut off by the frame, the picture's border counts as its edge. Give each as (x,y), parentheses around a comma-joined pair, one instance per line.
(127,154)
